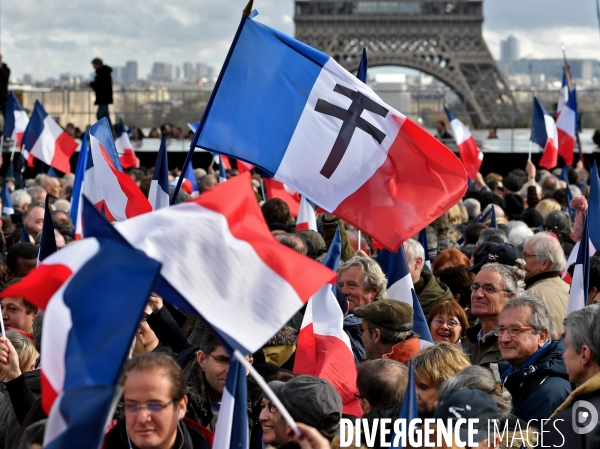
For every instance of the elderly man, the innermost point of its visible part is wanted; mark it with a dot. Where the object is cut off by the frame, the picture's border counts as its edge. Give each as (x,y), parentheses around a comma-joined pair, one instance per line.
(33,218)
(52,186)
(428,289)
(576,420)
(545,259)
(387,330)
(535,374)
(493,286)
(21,201)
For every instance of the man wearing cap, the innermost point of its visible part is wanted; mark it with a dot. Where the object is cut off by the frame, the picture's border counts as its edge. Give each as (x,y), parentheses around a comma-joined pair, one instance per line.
(309,400)
(545,260)
(387,330)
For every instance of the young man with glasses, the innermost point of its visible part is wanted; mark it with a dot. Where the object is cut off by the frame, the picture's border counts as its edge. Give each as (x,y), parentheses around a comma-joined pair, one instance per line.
(154,405)
(493,286)
(535,375)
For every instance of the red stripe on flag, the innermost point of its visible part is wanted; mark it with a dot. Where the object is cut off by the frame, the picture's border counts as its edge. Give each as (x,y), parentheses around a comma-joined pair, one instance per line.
(48,393)
(40,284)
(566,146)
(236,201)
(549,159)
(469,155)
(302,226)
(225,162)
(64,147)
(276,189)
(128,159)
(419,181)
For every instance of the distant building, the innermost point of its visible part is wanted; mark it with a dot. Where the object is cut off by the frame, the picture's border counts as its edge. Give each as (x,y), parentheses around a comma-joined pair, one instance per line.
(553,68)
(161,72)
(201,70)
(27,78)
(188,71)
(130,72)
(509,52)
(178,73)
(212,72)
(117,74)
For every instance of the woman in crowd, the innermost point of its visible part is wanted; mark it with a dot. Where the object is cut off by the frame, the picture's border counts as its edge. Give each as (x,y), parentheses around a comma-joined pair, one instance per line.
(450,257)
(447,322)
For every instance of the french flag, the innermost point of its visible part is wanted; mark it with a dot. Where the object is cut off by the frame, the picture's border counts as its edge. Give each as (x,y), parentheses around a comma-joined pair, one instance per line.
(159,186)
(580,282)
(277,189)
(545,134)
(320,130)
(15,121)
(563,95)
(222,175)
(306,216)
(48,242)
(105,183)
(46,140)
(84,346)
(189,184)
(323,348)
(470,155)
(124,148)
(400,287)
(232,426)
(252,267)
(7,205)
(566,124)
(75,209)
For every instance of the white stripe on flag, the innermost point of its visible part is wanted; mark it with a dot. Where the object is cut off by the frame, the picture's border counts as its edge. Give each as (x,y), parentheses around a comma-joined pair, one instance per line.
(401,290)
(225,422)
(577,294)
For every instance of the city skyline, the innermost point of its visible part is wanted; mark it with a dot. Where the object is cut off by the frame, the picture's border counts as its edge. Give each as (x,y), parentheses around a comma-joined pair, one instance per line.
(201,31)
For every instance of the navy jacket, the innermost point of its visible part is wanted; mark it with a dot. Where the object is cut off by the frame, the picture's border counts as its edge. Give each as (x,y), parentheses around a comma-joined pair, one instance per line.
(538,389)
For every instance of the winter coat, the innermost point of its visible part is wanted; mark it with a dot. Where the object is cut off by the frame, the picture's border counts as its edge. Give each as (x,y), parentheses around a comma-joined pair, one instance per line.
(4,76)
(483,353)
(102,85)
(551,289)
(189,436)
(430,291)
(352,327)
(21,393)
(329,228)
(539,388)
(404,351)
(560,425)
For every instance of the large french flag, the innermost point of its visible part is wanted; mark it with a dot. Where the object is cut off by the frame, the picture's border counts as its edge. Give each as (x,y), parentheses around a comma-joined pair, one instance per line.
(297,114)
(159,186)
(124,148)
(15,121)
(248,270)
(566,124)
(46,140)
(545,134)
(470,155)
(75,209)
(324,348)
(277,189)
(400,287)
(105,183)
(306,216)
(580,282)
(83,344)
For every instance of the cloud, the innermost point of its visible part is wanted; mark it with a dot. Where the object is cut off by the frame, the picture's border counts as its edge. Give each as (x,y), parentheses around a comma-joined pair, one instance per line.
(47,38)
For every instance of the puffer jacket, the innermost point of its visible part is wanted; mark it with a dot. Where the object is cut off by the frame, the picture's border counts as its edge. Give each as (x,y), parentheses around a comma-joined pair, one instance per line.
(538,389)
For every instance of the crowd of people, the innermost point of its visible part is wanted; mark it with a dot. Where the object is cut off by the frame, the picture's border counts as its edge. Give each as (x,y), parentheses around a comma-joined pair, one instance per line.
(495,300)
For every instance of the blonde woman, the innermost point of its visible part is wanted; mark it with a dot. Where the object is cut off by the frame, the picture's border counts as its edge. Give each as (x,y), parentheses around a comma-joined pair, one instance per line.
(546,206)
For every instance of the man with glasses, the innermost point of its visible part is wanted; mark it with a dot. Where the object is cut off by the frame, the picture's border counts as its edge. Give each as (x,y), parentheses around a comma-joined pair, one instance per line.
(545,260)
(535,374)
(154,404)
(494,285)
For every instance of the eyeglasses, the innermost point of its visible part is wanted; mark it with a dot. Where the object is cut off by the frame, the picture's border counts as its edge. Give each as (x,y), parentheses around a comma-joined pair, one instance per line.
(486,288)
(133,408)
(439,321)
(513,331)
(270,406)
(221,360)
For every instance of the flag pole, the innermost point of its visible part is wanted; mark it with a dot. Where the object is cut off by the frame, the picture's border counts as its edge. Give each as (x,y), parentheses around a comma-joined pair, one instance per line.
(359,236)
(267,390)
(530,150)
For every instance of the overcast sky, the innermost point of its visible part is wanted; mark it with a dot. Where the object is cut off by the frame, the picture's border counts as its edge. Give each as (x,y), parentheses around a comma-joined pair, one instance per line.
(46,38)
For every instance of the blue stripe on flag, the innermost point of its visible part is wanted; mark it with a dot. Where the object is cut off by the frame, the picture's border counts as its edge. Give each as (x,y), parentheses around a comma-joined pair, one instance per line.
(79,177)
(34,127)
(232,426)
(409,410)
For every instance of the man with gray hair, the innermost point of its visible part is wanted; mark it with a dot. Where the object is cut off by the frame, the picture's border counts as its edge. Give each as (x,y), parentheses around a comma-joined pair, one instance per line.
(535,374)
(428,289)
(473,208)
(493,286)
(545,259)
(576,420)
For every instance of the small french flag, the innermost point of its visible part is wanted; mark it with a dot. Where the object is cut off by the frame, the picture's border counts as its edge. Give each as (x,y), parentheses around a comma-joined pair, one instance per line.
(306,216)
(470,155)
(7,205)
(124,148)
(16,120)
(545,134)
(46,140)
(159,186)
(222,175)
(566,125)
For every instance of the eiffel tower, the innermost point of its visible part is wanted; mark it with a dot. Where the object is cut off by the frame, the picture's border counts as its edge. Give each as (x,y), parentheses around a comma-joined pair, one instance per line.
(440,38)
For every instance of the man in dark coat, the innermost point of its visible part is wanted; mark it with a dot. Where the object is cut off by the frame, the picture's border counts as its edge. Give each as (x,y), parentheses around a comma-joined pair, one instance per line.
(102,86)
(535,374)
(4,76)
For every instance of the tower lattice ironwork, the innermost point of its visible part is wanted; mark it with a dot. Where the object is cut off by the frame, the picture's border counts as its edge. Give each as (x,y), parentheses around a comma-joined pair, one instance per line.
(440,38)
